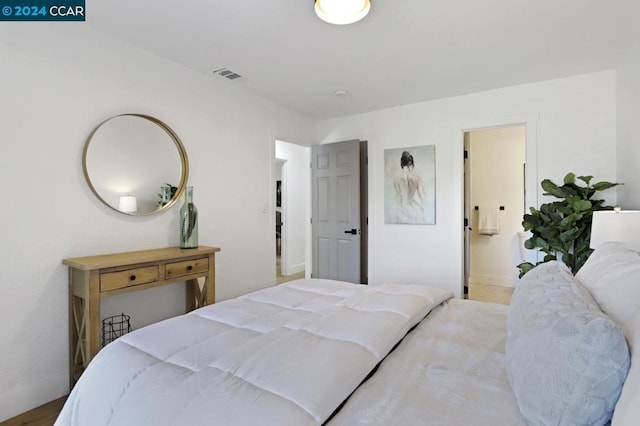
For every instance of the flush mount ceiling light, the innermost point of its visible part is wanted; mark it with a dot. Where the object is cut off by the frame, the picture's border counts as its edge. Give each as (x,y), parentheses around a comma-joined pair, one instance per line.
(341,12)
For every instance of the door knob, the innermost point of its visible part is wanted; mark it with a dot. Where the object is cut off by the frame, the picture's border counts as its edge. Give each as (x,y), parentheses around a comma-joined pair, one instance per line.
(351,231)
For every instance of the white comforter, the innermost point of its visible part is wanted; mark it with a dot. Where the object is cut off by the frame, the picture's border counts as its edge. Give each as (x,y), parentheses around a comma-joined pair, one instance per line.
(449,371)
(287,355)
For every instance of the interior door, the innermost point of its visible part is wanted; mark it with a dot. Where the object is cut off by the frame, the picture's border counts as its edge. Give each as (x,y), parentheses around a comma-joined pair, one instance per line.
(335,211)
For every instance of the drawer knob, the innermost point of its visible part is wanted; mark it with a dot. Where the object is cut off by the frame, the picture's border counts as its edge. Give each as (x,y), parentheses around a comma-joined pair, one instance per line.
(190,267)
(132,277)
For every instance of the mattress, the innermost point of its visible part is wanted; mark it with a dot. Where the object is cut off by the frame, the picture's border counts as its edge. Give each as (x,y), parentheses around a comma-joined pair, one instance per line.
(286,355)
(450,370)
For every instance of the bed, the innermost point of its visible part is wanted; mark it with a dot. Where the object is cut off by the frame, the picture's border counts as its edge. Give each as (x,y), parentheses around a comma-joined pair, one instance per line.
(452,373)
(325,352)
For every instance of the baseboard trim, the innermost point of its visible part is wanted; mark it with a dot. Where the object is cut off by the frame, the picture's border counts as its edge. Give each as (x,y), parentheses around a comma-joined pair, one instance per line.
(294,269)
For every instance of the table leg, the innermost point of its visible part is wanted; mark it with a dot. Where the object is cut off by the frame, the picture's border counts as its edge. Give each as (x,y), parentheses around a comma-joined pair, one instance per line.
(210,283)
(191,295)
(73,334)
(93,325)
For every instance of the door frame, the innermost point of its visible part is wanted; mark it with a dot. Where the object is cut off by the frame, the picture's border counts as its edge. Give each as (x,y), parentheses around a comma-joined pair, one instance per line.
(530,121)
(283,203)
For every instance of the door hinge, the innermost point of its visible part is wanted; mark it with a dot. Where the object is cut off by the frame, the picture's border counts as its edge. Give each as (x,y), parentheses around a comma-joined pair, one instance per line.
(466,222)
(311,220)
(466,154)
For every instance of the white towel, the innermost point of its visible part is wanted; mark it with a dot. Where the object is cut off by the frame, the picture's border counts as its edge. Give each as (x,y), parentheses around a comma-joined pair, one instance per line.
(522,237)
(488,220)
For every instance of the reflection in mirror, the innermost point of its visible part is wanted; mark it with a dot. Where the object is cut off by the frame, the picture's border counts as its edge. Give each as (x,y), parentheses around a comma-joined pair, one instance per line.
(135,164)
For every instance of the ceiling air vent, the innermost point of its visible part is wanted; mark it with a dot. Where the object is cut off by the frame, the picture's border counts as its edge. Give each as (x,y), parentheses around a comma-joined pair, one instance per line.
(227,73)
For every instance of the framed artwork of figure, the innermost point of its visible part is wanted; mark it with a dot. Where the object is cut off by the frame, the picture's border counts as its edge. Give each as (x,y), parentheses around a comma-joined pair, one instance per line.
(409,185)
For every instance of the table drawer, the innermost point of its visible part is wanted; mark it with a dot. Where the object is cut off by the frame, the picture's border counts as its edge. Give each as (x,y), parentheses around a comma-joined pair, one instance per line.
(128,278)
(187,267)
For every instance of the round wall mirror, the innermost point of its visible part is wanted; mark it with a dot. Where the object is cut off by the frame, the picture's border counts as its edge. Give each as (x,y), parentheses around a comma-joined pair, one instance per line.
(135,164)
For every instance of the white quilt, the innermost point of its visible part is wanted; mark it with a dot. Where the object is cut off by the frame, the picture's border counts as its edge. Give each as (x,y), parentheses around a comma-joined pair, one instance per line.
(449,371)
(286,355)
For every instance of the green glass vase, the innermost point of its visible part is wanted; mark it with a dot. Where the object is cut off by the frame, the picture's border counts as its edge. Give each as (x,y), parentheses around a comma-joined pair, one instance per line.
(188,221)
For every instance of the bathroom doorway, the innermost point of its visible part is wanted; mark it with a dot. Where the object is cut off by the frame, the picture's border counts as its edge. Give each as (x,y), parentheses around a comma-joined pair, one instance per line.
(494,203)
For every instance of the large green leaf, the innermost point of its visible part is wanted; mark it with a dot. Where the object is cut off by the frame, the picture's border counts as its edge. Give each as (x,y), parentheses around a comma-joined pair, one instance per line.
(570,178)
(548,232)
(541,243)
(601,186)
(579,205)
(552,189)
(585,179)
(533,219)
(569,235)
(525,267)
(571,189)
(545,216)
(570,220)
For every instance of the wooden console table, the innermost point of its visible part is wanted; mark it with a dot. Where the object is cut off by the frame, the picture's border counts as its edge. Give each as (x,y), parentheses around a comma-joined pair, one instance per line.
(94,277)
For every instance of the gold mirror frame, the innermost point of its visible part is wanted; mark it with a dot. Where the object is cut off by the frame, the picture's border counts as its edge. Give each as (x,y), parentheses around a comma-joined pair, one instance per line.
(184,163)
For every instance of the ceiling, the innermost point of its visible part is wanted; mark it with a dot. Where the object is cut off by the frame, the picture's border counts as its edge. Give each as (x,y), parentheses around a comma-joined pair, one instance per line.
(404,51)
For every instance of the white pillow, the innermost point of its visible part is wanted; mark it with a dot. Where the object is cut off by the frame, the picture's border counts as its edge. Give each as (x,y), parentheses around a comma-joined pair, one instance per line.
(627,410)
(612,276)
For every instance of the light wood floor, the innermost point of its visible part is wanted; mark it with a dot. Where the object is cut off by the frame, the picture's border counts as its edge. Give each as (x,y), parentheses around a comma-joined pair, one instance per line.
(285,278)
(490,293)
(44,415)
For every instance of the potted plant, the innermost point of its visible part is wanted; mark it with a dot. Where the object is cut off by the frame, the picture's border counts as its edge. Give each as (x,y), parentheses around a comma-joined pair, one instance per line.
(562,229)
(168,192)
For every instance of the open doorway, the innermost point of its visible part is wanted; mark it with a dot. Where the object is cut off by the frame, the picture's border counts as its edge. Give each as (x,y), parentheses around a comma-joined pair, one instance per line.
(291,216)
(494,203)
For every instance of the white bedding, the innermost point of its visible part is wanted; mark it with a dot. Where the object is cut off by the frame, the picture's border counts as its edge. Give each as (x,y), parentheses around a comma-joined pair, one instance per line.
(287,355)
(450,370)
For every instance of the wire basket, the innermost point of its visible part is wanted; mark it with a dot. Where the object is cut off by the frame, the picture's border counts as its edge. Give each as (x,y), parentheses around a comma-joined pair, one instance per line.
(114,327)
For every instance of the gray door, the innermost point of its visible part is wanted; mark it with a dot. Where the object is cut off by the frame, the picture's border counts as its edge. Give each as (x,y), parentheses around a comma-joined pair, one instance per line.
(335,211)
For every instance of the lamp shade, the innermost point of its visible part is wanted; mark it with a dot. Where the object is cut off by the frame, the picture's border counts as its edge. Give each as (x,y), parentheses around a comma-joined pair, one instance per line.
(618,226)
(128,204)
(342,12)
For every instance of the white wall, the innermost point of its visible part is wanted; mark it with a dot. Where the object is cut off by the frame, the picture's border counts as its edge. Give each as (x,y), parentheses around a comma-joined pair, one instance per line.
(576,131)
(59,82)
(628,112)
(296,184)
(496,159)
